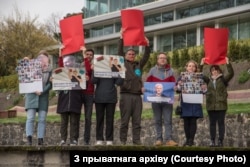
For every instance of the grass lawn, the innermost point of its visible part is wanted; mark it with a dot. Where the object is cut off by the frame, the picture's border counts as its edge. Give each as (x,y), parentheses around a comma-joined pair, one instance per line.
(234,108)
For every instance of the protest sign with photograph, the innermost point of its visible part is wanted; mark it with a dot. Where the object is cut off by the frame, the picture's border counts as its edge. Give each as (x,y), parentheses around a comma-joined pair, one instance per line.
(109,66)
(191,87)
(29,76)
(159,92)
(68,78)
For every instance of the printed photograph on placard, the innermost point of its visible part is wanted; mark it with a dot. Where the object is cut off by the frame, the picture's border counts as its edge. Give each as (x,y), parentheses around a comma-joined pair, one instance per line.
(29,75)
(109,66)
(159,92)
(69,78)
(191,87)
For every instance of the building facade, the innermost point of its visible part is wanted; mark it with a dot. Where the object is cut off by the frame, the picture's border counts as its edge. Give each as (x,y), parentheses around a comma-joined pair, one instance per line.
(169,24)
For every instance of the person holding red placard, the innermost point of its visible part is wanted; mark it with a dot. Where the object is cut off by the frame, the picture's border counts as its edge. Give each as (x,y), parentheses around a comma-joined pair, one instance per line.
(130,92)
(216,99)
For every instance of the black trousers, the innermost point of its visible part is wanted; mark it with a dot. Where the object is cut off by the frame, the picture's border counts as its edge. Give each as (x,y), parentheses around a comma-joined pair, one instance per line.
(74,119)
(215,117)
(102,110)
(190,127)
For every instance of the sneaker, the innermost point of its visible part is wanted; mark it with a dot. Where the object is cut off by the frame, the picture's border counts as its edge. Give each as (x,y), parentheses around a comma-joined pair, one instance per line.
(99,143)
(62,143)
(73,143)
(171,143)
(109,143)
(158,143)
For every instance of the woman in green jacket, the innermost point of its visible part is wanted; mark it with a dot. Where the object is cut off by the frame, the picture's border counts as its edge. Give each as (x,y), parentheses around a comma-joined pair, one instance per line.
(216,99)
(38,102)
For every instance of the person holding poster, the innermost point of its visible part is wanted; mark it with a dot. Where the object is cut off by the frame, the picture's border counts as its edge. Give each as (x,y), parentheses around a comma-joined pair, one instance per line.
(190,111)
(162,72)
(105,104)
(130,92)
(216,99)
(69,106)
(38,102)
(88,94)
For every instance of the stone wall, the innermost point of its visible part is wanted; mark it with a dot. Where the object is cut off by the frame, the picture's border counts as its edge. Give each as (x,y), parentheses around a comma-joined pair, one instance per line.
(237,132)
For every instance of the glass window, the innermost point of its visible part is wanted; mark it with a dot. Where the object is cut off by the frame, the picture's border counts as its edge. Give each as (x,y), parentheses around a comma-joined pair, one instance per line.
(164,43)
(112,49)
(115,5)
(197,10)
(99,50)
(182,13)
(97,31)
(92,8)
(103,7)
(108,29)
(118,27)
(152,19)
(244,27)
(226,4)
(86,33)
(212,6)
(191,38)
(168,16)
(242,2)
(232,27)
(179,40)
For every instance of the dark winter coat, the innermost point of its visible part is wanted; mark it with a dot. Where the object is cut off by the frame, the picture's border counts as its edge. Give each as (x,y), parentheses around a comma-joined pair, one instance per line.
(69,101)
(106,91)
(216,96)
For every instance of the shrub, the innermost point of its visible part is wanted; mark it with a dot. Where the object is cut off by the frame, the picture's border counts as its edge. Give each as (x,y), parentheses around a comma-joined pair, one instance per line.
(243,77)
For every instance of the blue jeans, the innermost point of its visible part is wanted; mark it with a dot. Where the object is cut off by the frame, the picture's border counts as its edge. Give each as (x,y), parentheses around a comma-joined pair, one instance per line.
(164,110)
(88,101)
(31,116)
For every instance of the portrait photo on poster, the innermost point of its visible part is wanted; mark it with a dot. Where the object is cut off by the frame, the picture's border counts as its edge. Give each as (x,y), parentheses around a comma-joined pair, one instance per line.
(160,92)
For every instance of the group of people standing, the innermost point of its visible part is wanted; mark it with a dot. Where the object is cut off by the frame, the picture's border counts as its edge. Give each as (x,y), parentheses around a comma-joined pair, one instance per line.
(102,92)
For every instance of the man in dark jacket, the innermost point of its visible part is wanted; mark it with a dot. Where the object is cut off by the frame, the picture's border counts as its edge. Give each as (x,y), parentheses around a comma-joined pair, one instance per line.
(130,93)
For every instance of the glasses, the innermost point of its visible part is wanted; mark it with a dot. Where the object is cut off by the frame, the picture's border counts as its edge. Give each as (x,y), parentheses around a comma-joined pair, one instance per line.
(89,54)
(162,58)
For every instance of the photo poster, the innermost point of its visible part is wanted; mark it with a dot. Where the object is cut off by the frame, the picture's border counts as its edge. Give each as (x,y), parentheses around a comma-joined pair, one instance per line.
(109,66)
(29,75)
(69,78)
(191,87)
(159,92)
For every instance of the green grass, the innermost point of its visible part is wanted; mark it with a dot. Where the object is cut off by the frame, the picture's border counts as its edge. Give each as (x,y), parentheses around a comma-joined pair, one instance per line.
(234,108)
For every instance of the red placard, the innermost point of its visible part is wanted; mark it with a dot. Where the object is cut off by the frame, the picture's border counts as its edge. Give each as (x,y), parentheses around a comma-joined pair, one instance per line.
(215,44)
(133,26)
(72,34)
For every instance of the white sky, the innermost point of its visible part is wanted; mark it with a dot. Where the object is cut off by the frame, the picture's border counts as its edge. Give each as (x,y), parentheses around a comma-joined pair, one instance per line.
(41,8)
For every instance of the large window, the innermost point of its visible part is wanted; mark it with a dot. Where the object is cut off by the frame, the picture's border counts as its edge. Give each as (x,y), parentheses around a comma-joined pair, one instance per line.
(191,37)
(96,32)
(168,16)
(112,49)
(244,29)
(164,43)
(179,40)
(242,2)
(232,27)
(108,29)
(152,19)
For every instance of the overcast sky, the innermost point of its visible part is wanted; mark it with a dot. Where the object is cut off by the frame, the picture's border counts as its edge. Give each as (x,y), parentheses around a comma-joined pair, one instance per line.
(41,8)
